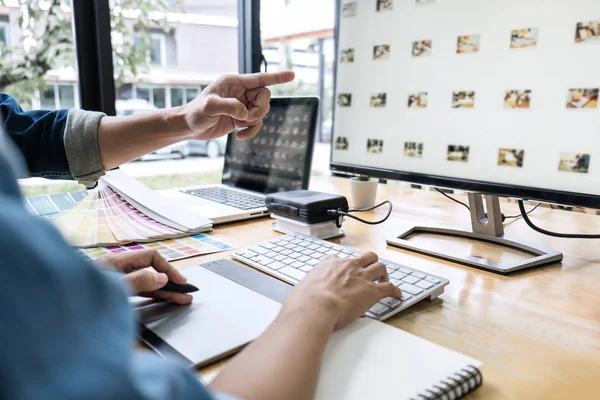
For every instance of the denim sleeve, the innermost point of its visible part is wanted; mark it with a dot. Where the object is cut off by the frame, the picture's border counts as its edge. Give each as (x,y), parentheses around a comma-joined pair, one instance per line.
(59,144)
(68,331)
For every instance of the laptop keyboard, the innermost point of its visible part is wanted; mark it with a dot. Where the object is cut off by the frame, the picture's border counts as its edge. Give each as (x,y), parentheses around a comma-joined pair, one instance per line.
(233,198)
(292,256)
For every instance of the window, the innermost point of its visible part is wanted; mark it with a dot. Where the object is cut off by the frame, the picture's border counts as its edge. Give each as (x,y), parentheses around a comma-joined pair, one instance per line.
(4,33)
(191,94)
(159,98)
(57,96)
(177,97)
(289,42)
(66,96)
(158,49)
(48,99)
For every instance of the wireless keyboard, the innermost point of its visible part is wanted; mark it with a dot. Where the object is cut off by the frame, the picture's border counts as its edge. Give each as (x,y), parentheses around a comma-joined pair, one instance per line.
(292,256)
(233,198)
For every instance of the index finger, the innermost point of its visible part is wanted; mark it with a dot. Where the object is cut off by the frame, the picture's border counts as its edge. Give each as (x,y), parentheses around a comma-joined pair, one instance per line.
(262,79)
(161,265)
(366,259)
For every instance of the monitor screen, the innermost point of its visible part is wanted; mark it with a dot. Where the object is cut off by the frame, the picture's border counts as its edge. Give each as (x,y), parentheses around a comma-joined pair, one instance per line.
(482,95)
(279,157)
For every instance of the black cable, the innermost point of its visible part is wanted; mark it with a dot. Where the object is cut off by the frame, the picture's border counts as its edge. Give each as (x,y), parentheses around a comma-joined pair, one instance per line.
(549,233)
(528,212)
(341,213)
(453,199)
(504,217)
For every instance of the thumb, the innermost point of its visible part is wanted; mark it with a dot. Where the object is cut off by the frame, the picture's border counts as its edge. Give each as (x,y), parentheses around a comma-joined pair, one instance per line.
(145,281)
(216,106)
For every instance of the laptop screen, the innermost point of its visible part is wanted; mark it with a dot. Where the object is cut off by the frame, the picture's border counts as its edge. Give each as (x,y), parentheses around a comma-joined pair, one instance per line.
(279,157)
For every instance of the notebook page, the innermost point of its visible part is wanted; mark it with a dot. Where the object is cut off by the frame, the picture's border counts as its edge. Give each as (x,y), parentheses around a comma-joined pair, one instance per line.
(373,360)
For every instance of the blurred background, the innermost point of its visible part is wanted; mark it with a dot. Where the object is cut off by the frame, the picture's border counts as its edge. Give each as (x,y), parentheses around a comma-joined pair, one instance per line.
(164,53)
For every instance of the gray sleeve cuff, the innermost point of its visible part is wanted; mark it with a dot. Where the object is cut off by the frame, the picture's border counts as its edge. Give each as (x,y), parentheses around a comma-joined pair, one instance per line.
(81,146)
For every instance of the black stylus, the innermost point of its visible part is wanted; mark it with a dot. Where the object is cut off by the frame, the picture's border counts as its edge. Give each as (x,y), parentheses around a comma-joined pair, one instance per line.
(174,287)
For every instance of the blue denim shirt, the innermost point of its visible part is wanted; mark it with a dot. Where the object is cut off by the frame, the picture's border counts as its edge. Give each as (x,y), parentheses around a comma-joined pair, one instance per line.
(67,330)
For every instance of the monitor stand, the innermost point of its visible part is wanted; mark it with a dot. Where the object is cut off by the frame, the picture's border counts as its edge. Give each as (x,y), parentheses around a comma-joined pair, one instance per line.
(487,228)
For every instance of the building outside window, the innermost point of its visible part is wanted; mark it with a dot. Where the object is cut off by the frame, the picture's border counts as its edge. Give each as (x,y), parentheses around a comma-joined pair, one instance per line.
(58,96)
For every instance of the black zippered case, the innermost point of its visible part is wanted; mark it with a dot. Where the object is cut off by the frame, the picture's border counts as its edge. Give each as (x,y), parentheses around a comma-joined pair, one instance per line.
(306,205)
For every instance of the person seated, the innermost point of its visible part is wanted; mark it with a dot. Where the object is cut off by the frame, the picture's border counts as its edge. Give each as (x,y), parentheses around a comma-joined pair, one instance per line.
(68,330)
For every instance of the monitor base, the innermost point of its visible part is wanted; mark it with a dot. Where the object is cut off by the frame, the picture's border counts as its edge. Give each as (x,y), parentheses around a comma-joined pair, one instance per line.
(487,227)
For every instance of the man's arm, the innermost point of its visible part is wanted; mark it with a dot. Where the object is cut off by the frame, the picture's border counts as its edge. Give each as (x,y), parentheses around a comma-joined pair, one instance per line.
(284,363)
(81,144)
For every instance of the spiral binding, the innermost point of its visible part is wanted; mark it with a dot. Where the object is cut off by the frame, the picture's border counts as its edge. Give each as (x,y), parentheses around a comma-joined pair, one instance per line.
(454,387)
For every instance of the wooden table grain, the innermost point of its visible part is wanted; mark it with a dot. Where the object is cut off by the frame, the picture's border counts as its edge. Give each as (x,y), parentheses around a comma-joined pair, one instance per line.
(537,332)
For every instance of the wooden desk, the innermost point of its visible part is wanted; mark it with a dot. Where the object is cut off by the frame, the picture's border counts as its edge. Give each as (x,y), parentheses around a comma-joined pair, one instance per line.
(538,332)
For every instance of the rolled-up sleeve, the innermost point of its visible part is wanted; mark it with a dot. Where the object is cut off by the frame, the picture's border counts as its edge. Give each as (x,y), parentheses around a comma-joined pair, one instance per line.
(81,146)
(60,144)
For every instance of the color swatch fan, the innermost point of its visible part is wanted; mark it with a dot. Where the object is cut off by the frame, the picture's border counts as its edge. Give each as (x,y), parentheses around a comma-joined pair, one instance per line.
(108,216)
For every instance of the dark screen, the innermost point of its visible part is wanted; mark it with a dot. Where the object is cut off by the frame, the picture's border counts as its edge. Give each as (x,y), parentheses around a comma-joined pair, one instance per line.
(278,158)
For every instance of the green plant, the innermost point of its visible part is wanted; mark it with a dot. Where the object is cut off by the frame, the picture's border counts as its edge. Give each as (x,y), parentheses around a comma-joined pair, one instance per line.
(363,178)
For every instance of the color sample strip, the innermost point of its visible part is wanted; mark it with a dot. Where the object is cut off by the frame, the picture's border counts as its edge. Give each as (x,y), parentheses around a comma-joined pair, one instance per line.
(171,250)
(50,205)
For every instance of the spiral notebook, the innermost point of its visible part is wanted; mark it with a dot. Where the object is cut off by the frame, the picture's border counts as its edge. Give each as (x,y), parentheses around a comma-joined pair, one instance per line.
(373,360)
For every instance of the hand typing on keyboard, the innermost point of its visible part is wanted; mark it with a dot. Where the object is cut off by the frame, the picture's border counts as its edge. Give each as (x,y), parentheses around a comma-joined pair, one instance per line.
(293,256)
(342,289)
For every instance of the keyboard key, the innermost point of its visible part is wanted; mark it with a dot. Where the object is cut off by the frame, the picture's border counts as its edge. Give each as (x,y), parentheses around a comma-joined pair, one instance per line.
(259,250)
(397,275)
(392,266)
(306,268)
(389,271)
(285,252)
(307,252)
(391,302)
(276,265)
(346,251)
(263,260)
(294,255)
(410,279)
(303,258)
(395,282)
(270,254)
(297,264)
(432,279)
(405,296)
(405,287)
(424,284)
(327,244)
(419,275)
(294,273)
(267,245)
(332,252)
(312,262)
(279,257)
(323,249)
(313,246)
(288,261)
(405,270)
(379,309)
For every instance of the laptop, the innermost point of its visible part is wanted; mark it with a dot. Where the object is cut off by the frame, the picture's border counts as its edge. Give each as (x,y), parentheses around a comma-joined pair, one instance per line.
(278,159)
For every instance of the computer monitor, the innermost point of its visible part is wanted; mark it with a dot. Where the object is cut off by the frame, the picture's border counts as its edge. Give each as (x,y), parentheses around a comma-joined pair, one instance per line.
(494,98)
